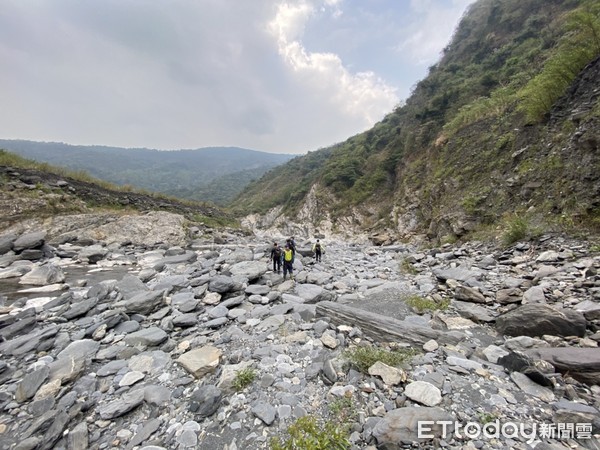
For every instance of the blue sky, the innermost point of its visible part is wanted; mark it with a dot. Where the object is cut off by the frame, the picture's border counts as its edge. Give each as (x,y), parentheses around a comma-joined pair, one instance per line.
(280,76)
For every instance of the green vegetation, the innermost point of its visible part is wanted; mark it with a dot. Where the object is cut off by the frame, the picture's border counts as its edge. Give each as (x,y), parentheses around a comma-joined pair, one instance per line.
(364,357)
(422,304)
(485,417)
(310,432)
(471,139)
(243,379)
(579,46)
(407,267)
(518,227)
(343,409)
(99,194)
(208,174)
(307,433)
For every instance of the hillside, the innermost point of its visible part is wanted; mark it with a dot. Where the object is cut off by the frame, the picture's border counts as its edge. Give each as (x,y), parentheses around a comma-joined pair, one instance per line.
(186,174)
(33,190)
(503,130)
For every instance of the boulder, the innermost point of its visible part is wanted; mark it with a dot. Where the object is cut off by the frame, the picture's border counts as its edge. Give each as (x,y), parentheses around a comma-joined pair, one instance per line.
(538,320)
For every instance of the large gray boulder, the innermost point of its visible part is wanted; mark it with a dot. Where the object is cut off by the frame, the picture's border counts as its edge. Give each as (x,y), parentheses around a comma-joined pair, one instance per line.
(29,241)
(251,270)
(538,320)
(401,426)
(142,303)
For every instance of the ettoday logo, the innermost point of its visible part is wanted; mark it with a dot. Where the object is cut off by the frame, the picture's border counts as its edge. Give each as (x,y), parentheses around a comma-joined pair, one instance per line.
(428,429)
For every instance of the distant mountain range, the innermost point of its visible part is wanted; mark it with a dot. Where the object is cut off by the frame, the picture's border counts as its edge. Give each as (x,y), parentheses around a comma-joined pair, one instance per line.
(214,174)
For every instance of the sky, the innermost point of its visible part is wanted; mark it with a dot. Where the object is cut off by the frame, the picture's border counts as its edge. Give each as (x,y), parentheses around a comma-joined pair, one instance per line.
(283,76)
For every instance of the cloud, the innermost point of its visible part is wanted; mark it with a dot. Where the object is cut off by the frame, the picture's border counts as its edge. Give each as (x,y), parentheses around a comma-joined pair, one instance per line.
(275,75)
(431,28)
(362,95)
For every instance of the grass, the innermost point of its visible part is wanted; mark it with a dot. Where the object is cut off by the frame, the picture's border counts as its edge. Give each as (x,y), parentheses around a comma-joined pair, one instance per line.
(517,229)
(243,379)
(364,357)
(308,433)
(422,304)
(407,267)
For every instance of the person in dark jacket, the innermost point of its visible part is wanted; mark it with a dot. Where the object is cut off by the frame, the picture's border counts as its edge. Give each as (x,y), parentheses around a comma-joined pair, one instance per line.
(318,250)
(276,257)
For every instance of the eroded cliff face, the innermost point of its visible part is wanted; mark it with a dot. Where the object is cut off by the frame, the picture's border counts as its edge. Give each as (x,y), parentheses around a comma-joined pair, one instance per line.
(313,219)
(150,229)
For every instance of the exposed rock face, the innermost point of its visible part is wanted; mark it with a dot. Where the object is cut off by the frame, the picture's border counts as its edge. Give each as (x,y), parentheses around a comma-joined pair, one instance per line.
(174,340)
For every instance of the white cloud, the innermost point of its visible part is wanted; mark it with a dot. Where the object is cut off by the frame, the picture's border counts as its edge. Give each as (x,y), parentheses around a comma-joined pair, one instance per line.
(362,96)
(432,29)
(275,75)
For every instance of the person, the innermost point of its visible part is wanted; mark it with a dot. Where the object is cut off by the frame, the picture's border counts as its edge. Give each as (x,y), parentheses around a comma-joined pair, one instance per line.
(288,262)
(318,250)
(276,257)
(292,243)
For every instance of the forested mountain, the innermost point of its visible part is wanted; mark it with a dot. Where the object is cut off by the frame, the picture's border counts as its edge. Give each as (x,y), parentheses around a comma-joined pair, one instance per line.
(505,127)
(188,174)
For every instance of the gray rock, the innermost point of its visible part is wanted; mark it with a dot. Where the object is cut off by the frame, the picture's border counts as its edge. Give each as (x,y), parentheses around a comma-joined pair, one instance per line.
(251,270)
(6,243)
(148,337)
(581,363)
(43,275)
(311,293)
(205,400)
(185,320)
(29,241)
(423,392)
(130,285)
(532,388)
(30,383)
(402,426)
(92,254)
(221,284)
(538,320)
(142,303)
(78,437)
(534,294)
(265,412)
(128,402)
(589,308)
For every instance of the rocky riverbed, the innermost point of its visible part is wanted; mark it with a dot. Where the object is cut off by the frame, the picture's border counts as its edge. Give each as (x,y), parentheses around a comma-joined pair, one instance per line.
(151,357)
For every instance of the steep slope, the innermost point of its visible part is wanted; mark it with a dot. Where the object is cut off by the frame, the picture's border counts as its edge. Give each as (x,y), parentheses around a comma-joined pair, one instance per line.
(179,172)
(505,124)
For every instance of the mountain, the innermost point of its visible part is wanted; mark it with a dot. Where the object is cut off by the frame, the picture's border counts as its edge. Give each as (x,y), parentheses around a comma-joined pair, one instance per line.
(185,173)
(502,132)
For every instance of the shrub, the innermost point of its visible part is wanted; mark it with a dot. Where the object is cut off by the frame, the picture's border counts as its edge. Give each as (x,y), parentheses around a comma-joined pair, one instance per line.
(421,304)
(308,433)
(365,357)
(517,229)
(243,379)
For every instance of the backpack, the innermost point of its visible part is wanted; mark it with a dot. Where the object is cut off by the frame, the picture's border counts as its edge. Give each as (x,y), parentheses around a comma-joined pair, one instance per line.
(318,247)
(288,255)
(277,252)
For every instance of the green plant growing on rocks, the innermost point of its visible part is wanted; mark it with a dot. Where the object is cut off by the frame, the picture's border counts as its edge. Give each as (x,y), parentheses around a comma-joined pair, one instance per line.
(422,304)
(243,379)
(343,409)
(308,433)
(486,417)
(364,357)
(517,228)
(407,267)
